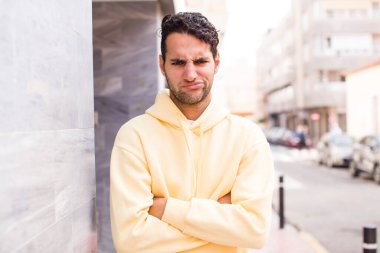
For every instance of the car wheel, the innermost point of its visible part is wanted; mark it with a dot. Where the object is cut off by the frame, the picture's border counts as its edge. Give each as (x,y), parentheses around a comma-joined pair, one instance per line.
(376,174)
(353,170)
(329,162)
(320,160)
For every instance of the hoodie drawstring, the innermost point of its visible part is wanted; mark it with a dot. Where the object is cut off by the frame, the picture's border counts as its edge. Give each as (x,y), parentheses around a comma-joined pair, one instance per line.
(198,163)
(189,150)
(200,159)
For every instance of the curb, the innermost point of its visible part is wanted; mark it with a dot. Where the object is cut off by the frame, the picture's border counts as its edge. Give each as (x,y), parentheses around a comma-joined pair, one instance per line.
(313,242)
(309,239)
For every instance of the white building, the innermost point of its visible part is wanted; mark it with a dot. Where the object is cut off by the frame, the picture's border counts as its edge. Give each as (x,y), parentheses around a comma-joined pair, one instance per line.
(363,100)
(300,61)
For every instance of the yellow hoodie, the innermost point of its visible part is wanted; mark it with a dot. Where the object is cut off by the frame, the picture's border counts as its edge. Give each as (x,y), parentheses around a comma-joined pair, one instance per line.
(161,154)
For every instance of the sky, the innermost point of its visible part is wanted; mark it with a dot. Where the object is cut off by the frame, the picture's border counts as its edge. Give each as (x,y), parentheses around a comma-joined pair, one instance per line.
(248,21)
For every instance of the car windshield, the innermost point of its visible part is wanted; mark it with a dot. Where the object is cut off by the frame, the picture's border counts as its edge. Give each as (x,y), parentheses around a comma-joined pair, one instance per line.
(375,142)
(341,140)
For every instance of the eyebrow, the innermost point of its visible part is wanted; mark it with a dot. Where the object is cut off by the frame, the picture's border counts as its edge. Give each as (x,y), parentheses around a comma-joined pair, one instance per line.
(202,58)
(198,59)
(177,60)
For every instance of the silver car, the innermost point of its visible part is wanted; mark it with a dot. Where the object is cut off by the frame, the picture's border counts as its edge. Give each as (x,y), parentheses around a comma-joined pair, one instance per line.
(366,157)
(335,149)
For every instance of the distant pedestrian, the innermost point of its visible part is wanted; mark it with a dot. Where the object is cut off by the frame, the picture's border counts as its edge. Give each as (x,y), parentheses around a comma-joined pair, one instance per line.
(187,176)
(301,134)
(302,143)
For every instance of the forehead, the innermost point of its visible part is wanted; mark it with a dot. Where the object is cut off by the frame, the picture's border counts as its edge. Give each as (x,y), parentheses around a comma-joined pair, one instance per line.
(183,45)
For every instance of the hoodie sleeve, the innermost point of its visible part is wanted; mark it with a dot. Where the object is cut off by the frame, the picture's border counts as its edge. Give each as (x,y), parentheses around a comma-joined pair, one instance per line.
(245,222)
(133,229)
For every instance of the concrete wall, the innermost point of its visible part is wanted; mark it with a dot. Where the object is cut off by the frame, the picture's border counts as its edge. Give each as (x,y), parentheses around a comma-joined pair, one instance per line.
(47,163)
(126,82)
(363,102)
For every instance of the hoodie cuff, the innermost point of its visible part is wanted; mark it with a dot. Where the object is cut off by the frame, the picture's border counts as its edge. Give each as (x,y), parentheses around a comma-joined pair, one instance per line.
(175,212)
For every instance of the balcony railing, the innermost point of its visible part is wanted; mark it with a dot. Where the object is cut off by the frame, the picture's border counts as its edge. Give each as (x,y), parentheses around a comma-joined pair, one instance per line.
(279,81)
(338,63)
(327,26)
(332,94)
(282,100)
(329,94)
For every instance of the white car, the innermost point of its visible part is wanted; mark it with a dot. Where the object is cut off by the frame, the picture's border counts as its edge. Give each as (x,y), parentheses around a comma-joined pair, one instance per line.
(335,149)
(366,157)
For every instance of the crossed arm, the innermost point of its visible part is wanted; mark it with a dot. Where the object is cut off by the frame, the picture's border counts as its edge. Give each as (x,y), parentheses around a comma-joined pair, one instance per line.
(159,204)
(145,223)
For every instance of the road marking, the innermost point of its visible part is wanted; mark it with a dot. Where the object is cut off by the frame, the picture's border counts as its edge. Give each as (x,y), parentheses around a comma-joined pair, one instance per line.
(289,183)
(314,244)
(283,154)
(281,157)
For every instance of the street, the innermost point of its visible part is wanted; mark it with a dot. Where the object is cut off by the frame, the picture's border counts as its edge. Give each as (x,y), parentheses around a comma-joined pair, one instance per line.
(326,202)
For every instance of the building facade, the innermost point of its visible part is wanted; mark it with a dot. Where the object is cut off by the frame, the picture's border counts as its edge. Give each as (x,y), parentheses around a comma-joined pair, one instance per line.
(363,100)
(300,61)
(47,157)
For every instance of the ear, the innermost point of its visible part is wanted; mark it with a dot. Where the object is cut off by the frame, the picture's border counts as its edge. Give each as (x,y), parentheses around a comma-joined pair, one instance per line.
(217,61)
(162,67)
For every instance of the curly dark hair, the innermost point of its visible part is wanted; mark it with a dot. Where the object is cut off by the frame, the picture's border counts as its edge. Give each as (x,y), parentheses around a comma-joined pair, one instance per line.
(192,23)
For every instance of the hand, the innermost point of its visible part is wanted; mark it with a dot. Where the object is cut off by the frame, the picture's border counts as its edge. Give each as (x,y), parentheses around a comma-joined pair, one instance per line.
(226,199)
(158,207)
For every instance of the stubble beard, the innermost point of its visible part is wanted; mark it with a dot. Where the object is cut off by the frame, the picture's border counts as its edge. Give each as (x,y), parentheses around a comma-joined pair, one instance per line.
(187,99)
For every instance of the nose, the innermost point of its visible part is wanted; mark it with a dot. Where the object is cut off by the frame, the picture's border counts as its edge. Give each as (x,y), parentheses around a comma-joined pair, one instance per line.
(190,72)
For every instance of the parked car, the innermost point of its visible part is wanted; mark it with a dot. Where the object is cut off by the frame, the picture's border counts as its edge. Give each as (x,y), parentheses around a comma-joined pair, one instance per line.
(335,149)
(294,139)
(366,157)
(274,135)
(286,137)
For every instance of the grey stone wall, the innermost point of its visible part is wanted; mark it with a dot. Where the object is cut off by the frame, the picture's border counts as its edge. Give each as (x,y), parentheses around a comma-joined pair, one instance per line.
(47,163)
(126,83)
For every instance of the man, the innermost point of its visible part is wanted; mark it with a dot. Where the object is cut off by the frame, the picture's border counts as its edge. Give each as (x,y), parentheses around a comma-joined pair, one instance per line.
(187,176)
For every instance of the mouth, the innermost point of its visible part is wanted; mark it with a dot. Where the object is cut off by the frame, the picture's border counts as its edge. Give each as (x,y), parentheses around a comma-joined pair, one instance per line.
(193,86)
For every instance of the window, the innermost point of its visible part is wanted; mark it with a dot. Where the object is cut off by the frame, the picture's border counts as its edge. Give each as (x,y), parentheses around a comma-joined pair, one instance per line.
(375,9)
(321,76)
(330,14)
(328,39)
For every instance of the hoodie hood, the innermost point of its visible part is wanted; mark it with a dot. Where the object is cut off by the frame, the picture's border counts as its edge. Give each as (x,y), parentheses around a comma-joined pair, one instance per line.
(165,110)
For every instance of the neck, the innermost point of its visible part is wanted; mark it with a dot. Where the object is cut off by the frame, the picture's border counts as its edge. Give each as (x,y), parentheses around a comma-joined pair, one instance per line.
(192,112)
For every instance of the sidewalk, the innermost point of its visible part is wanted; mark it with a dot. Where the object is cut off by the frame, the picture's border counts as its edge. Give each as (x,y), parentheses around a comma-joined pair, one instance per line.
(289,240)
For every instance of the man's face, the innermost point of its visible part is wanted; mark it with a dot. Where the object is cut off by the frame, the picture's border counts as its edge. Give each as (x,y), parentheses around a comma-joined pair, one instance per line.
(189,68)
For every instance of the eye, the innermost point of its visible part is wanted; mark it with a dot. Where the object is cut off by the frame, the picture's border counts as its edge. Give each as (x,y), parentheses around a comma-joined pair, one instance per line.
(178,62)
(201,61)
